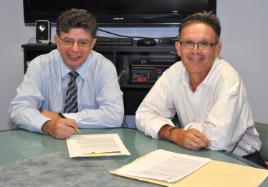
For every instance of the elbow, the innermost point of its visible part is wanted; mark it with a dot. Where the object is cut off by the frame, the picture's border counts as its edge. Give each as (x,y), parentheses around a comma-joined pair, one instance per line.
(138,120)
(221,145)
(117,121)
(114,120)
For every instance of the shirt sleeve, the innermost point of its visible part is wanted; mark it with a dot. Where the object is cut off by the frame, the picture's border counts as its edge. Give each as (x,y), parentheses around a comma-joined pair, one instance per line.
(110,109)
(157,109)
(24,108)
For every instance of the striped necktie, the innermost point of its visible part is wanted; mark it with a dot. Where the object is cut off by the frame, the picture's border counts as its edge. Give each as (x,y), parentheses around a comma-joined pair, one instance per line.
(71,105)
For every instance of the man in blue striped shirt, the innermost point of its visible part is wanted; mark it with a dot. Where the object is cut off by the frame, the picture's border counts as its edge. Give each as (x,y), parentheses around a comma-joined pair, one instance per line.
(40,97)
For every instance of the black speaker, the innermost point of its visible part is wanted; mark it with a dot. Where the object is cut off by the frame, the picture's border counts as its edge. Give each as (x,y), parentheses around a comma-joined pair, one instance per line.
(43,31)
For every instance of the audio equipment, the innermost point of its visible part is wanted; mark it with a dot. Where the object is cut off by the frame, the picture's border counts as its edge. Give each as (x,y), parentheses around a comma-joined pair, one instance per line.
(143,74)
(43,31)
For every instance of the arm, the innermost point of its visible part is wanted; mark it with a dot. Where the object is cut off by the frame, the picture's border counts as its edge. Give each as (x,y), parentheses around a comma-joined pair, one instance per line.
(154,114)
(24,108)
(157,108)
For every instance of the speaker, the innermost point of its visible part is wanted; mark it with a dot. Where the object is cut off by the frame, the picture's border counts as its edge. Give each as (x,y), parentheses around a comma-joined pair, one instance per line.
(43,31)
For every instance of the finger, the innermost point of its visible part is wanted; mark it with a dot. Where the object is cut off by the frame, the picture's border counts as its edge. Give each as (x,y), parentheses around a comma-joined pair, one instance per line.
(194,141)
(70,123)
(201,143)
(68,131)
(193,145)
(201,138)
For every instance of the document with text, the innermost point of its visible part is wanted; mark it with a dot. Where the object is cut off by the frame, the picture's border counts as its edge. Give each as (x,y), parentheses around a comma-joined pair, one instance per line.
(96,145)
(163,165)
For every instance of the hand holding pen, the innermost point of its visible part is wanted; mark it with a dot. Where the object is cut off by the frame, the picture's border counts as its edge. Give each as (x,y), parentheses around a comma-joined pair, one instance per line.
(62,116)
(58,126)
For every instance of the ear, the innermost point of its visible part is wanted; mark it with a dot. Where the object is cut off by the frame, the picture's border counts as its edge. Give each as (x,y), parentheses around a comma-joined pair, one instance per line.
(93,42)
(57,40)
(218,48)
(178,48)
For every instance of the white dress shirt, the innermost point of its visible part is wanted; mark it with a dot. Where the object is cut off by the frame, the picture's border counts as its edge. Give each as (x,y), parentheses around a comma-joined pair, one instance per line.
(219,108)
(100,102)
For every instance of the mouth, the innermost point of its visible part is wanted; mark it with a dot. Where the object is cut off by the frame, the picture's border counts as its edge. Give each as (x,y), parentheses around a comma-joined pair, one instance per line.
(74,57)
(195,59)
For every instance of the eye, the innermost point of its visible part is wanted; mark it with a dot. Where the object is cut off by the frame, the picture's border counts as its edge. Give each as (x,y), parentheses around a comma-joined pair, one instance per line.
(204,44)
(189,43)
(68,41)
(83,43)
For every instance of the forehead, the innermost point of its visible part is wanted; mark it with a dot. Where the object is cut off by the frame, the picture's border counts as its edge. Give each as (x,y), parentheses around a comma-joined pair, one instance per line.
(198,31)
(77,33)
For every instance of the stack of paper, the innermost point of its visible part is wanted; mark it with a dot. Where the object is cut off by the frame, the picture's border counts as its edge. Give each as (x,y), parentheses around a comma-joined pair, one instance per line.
(166,168)
(163,165)
(96,145)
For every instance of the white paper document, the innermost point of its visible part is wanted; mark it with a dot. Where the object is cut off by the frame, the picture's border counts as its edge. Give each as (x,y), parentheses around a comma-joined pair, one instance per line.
(163,165)
(96,145)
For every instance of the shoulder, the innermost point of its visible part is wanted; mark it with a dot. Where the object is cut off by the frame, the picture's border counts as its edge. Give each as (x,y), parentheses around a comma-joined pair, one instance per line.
(44,60)
(100,59)
(226,71)
(175,68)
(101,62)
(174,72)
(225,77)
(45,65)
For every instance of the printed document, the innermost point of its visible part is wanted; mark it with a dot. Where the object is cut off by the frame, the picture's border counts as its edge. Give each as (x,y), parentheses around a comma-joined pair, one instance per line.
(96,145)
(163,165)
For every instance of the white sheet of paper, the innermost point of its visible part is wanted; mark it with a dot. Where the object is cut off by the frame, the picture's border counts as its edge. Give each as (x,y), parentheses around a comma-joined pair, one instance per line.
(163,165)
(96,145)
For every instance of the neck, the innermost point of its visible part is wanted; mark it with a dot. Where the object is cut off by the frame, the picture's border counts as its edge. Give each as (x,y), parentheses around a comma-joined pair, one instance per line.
(195,80)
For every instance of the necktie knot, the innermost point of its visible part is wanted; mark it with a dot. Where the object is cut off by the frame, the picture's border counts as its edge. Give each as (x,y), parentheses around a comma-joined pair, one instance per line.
(73,74)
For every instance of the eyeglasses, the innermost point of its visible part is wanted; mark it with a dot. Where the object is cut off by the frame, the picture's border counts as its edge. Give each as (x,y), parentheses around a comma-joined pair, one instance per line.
(70,42)
(203,45)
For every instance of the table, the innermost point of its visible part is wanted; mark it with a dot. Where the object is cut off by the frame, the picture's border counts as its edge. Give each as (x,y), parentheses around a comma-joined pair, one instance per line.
(31,159)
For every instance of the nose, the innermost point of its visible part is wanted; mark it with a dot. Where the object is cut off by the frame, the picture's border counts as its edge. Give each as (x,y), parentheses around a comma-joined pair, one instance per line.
(195,48)
(75,46)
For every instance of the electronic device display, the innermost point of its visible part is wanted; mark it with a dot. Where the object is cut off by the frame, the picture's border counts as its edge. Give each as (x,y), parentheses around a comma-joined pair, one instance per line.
(121,13)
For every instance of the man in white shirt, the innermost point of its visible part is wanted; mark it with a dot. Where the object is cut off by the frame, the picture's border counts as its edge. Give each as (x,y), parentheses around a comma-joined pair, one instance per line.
(205,92)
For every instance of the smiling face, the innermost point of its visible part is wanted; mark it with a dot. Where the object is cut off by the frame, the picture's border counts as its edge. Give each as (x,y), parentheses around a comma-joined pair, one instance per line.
(75,46)
(198,61)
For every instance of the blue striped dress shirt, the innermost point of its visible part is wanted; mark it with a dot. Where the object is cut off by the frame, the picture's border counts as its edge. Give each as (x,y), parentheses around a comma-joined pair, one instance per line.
(100,102)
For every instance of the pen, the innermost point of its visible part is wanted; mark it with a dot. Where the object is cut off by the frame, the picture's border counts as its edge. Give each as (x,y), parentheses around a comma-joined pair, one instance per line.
(62,116)
(100,153)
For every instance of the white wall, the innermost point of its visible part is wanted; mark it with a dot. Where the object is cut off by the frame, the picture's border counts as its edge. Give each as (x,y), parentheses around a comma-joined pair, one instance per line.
(244,37)
(13,33)
(245,44)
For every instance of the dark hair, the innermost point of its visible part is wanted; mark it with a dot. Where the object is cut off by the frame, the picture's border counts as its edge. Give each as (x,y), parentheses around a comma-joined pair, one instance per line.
(207,18)
(76,18)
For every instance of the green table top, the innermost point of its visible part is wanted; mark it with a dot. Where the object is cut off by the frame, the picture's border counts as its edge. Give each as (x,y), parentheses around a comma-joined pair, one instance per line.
(19,147)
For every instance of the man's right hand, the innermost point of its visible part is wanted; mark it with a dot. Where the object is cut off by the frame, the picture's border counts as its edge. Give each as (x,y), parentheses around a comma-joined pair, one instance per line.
(190,139)
(60,128)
